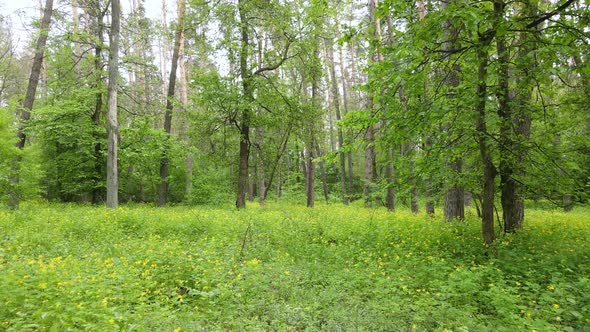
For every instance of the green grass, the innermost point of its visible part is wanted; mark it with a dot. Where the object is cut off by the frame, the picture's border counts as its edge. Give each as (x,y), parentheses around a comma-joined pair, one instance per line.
(280,268)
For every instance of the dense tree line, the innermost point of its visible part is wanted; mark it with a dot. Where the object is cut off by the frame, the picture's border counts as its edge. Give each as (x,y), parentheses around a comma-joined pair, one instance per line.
(445,103)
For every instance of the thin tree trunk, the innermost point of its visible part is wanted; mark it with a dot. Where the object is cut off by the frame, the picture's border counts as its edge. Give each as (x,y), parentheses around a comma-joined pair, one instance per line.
(522,98)
(183,85)
(252,181)
(164,47)
(489,173)
(279,181)
(112,122)
(370,157)
(429,205)
(260,168)
(98,105)
(390,178)
(246,112)
(507,168)
(336,100)
(310,174)
(346,83)
(369,164)
(164,160)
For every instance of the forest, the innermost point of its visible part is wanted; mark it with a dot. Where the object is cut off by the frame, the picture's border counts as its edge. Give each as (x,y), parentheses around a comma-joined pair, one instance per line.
(175,165)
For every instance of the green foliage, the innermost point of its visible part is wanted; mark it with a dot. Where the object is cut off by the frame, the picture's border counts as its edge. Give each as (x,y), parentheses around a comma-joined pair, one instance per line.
(30,172)
(287,268)
(7,152)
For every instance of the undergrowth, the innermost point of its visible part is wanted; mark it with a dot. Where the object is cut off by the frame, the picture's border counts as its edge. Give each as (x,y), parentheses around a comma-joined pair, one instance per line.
(332,268)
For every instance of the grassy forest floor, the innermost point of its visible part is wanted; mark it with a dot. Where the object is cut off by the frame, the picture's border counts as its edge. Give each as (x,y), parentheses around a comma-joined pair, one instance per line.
(286,267)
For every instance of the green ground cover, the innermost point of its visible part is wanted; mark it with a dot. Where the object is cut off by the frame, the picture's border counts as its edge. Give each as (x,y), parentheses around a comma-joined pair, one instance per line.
(287,268)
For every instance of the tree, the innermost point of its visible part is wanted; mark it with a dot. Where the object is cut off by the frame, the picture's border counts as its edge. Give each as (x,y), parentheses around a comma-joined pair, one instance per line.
(112,118)
(248,76)
(329,47)
(454,197)
(27,104)
(165,161)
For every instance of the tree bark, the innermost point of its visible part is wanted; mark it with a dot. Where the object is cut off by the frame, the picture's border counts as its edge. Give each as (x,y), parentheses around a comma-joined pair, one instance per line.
(165,160)
(98,105)
(390,178)
(27,105)
(507,171)
(183,85)
(346,83)
(260,168)
(112,122)
(489,171)
(522,119)
(429,194)
(336,100)
(310,174)
(246,112)
(454,197)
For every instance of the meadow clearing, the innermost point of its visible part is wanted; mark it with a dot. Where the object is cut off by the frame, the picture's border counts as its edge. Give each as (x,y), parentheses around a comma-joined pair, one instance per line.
(286,267)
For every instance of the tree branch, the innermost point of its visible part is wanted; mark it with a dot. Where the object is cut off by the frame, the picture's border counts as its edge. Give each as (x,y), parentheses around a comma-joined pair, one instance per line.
(549,15)
(284,58)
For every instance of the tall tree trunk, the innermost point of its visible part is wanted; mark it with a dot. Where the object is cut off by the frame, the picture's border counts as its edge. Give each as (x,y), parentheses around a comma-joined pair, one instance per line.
(164,160)
(377,56)
(311,145)
(98,105)
(27,105)
(112,122)
(246,112)
(260,168)
(508,184)
(346,99)
(454,196)
(183,85)
(522,120)
(336,100)
(164,46)
(489,171)
(310,173)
